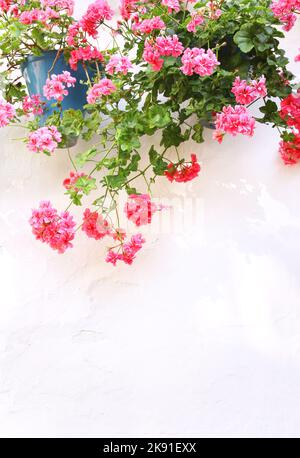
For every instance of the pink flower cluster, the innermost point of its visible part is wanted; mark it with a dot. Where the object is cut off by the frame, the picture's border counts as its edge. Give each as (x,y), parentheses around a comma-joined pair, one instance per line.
(44,140)
(127,8)
(51,228)
(285,11)
(67,5)
(55,88)
(246,93)
(197,19)
(212,11)
(139,209)
(104,87)
(290,110)
(96,13)
(5,5)
(234,120)
(94,225)
(199,61)
(169,46)
(97,227)
(152,57)
(118,64)
(163,46)
(7,112)
(183,172)
(290,150)
(33,105)
(172,5)
(126,251)
(148,25)
(297,58)
(36,15)
(85,53)
(290,113)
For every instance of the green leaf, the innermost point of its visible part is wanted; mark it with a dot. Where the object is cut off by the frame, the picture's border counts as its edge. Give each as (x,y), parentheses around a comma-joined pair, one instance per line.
(198,135)
(82,158)
(85,184)
(115,181)
(172,136)
(158,116)
(159,165)
(243,38)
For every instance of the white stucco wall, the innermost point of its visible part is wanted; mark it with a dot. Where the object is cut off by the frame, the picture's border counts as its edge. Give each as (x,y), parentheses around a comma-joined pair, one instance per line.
(200,337)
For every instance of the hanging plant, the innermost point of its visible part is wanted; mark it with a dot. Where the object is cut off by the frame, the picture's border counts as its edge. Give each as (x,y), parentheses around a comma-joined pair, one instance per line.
(174,67)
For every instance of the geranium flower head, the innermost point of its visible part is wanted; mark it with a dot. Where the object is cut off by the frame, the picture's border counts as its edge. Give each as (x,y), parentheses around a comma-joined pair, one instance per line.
(196,20)
(7,112)
(290,150)
(235,120)
(169,46)
(57,230)
(290,110)
(148,25)
(96,13)
(60,5)
(118,64)
(199,61)
(104,87)
(85,53)
(285,11)
(44,140)
(55,87)
(126,251)
(33,105)
(94,225)
(172,5)
(245,93)
(183,172)
(152,56)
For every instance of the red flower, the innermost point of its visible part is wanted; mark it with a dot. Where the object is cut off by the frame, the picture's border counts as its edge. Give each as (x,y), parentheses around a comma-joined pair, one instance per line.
(290,150)
(183,172)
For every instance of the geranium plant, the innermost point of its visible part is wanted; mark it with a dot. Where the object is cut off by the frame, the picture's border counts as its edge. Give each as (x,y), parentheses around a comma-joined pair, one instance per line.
(174,67)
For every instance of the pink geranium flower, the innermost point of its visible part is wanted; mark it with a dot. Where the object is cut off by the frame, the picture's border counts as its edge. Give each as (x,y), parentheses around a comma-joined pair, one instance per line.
(245,93)
(290,150)
(148,25)
(55,88)
(104,87)
(96,13)
(44,140)
(126,251)
(33,105)
(57,230)
(290,110)
(94,225)
(118,64)
(199,61)
(234,120)
(172,5)
(85,53)
(7,112)
(152,56)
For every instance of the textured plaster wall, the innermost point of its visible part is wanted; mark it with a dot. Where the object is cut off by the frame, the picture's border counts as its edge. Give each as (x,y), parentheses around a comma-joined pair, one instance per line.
(200,337)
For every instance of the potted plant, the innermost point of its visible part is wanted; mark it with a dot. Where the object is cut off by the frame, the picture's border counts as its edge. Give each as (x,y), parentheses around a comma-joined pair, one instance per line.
(174,68)
(42,71)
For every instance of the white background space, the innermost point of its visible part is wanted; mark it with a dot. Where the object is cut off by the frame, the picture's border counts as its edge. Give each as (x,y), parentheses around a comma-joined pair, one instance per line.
(200,337)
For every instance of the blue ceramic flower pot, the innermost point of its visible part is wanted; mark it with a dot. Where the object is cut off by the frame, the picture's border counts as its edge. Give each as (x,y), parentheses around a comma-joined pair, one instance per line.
(35,72)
